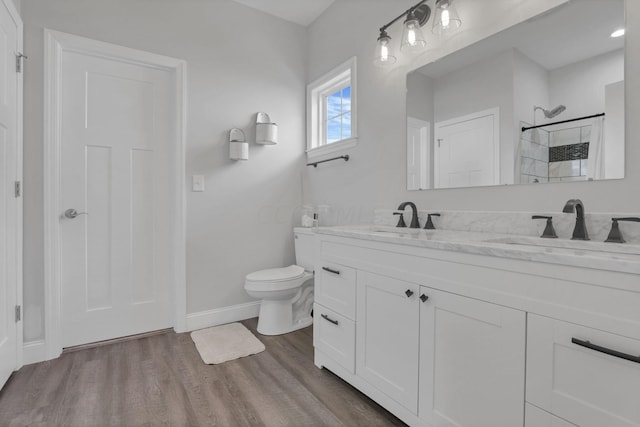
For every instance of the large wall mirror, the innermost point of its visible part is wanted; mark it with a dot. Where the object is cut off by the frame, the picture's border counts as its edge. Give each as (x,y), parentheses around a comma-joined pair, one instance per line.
(540,102)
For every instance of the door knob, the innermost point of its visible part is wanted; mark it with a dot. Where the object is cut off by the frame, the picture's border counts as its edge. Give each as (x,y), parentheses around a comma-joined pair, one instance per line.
(72,213)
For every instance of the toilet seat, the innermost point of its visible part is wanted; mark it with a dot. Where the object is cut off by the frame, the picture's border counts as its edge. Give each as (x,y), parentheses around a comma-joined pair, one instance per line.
(276,279)
(276,274)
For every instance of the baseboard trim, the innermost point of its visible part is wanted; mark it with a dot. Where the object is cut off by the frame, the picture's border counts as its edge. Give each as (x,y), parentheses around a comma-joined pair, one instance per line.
(34,352)
(220,316)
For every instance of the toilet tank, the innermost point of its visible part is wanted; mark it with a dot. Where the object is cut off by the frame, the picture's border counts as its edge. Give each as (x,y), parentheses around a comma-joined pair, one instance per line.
(304,242)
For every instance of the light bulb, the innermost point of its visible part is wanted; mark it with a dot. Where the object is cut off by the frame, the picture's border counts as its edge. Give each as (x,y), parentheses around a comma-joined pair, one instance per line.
(412,38)
(445,19)
(383,56)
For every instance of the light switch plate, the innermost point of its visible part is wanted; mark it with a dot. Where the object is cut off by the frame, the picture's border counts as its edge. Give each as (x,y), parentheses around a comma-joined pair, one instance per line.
(197,183)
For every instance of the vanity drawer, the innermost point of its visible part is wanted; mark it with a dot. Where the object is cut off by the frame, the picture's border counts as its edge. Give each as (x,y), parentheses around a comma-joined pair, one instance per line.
(335,288)
(580,374)
(334,335)
(536,417)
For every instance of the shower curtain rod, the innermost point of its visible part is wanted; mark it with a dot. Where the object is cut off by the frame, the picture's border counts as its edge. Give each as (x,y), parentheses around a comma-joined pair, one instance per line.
(562,121)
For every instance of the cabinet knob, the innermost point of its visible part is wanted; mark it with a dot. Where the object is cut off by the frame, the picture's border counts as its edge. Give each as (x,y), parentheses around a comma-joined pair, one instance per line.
(408,293)
(423,298)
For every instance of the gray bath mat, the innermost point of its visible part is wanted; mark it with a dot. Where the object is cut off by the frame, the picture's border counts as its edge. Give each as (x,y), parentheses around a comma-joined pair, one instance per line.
(225,342)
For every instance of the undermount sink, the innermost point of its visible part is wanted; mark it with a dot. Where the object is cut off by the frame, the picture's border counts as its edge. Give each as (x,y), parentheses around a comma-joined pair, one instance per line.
(573,247)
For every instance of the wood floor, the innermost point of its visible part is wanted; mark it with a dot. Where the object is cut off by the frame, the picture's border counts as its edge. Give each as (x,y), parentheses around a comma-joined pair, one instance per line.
(161,380)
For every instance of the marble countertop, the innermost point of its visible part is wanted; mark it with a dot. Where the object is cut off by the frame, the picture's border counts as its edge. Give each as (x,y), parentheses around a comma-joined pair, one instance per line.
(588,254)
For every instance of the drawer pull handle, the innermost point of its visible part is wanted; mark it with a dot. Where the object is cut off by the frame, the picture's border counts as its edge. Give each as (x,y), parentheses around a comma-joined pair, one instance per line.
(331,270)
(325,317)
(605,350)
(424,298)
(408,293)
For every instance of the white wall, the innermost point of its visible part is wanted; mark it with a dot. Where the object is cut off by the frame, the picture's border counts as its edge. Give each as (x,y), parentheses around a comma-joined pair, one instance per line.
(530,88)
(481,86)
(580,86)
(240,61)
(614,130)
(375,177)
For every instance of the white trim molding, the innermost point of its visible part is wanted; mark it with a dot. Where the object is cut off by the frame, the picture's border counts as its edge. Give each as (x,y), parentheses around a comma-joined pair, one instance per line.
(220,316)
(55,43)
(34,352)
(316,91)
(14,260)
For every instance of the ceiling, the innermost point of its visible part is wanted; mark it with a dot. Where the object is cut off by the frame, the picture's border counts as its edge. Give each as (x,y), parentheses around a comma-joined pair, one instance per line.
(571,33)
(302,12)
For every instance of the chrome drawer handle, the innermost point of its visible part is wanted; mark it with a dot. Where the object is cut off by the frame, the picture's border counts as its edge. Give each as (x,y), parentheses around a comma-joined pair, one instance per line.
(331,270)
(325,317)
(605,350)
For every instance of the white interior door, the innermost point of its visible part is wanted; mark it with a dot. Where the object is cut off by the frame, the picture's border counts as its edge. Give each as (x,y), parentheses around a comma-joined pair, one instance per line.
(116,121)
(466,153)
(418,154)
(10,205)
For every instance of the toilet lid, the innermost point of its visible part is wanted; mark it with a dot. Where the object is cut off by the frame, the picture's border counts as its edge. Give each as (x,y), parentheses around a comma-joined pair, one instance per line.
(276,274)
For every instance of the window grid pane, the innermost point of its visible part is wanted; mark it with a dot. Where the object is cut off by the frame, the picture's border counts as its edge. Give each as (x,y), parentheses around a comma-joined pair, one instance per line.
(337,122)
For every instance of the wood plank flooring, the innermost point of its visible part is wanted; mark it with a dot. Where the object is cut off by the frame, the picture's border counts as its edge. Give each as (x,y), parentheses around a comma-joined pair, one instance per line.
(161,380)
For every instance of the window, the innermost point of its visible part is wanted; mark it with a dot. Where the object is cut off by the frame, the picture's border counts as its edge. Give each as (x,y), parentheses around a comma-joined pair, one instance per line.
(331,111)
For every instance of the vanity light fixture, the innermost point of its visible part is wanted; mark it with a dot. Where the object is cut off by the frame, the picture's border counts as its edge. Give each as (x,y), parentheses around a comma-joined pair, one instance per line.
(446,19)
(384,55)
(416,16)
(412,38)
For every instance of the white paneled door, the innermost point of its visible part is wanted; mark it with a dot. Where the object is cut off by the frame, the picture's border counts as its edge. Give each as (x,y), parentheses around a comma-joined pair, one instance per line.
(467,150)
(117,124)
(10,207)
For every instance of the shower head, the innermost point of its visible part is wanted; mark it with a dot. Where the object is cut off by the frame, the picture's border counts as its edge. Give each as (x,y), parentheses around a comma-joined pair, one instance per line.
(549,114)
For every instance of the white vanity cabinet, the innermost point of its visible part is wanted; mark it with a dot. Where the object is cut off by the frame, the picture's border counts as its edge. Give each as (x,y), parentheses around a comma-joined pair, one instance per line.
(580,374)
(334,313)
(448,338)
(472,362)
(387,336)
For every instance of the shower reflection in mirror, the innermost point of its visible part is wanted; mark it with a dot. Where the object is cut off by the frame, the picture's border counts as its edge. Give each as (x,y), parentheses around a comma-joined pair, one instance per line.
(465,111)
(570,150)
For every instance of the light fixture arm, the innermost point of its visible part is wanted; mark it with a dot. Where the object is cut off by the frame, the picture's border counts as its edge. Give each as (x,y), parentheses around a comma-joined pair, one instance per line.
(424,16)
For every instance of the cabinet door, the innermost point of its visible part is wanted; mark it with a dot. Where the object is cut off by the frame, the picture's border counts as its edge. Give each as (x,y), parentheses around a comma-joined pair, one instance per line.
(472,362)
(335,336)
(335,288)
(570,374)
(387,337)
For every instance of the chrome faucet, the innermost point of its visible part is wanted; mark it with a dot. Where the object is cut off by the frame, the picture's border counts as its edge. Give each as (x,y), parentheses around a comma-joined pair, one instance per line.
(580,230)
(414,215)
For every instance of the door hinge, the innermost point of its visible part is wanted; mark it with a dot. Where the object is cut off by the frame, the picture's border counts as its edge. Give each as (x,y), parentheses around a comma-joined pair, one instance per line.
(18,313)
(17,189)
(19,61)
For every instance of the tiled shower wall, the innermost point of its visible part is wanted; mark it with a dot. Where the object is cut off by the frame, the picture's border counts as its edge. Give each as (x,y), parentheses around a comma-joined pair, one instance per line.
(568,152)
(534,155)
(552,156)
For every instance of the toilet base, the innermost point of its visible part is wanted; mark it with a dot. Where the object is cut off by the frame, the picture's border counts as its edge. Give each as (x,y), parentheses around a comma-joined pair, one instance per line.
(267,328)
(279,317)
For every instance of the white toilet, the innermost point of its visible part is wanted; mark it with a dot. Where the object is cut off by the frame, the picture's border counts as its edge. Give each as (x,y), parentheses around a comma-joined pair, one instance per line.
(287,292)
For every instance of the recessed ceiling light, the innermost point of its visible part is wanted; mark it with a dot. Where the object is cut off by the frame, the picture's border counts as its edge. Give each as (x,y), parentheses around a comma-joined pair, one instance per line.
(618,33)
